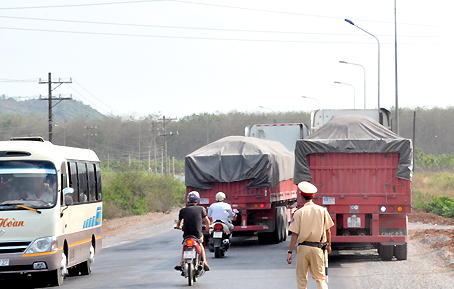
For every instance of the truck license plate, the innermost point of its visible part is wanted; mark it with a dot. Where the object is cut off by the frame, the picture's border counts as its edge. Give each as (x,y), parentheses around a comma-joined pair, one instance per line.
(4,262)
(204,201)
(189,254)
(354,222)
(329,201)
(217,234)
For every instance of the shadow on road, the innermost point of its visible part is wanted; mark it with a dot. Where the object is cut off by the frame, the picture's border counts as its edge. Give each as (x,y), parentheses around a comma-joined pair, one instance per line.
(336,258)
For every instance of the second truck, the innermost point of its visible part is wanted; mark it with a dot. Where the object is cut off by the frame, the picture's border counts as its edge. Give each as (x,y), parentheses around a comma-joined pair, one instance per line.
(363,173)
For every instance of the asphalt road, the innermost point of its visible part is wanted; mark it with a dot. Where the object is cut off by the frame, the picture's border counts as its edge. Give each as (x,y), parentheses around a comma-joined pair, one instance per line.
(148,263)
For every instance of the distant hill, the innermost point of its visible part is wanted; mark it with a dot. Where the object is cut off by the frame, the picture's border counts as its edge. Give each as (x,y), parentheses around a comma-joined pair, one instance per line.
(65,110)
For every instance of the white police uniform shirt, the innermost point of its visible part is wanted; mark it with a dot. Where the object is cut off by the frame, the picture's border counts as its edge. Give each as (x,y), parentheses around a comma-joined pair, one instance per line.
(220,211)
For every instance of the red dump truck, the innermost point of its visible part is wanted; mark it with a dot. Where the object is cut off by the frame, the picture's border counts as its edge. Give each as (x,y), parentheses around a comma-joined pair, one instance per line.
(363,172)
(257,177)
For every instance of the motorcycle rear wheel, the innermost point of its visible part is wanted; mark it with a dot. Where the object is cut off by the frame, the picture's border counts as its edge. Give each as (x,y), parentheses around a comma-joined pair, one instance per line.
(217,252)
(191,275)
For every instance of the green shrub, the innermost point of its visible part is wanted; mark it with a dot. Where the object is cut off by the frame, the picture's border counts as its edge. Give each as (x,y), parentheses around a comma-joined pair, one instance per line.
(439,205)
(420,200)
(137,192)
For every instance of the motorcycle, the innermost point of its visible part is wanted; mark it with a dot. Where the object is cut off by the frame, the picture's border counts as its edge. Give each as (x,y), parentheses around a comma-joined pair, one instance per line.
(193,264)
(219,241)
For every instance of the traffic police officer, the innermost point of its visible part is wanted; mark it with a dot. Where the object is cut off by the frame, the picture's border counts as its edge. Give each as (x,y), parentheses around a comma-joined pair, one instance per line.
(310,227)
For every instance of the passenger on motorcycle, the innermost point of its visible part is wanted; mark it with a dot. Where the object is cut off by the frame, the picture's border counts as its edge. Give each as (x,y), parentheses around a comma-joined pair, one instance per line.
(221,211)
(192,216)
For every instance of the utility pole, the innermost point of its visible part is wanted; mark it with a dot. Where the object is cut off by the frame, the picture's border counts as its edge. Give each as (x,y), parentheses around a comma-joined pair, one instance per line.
(166,136)
(89,134)
(152,130)
(49,82)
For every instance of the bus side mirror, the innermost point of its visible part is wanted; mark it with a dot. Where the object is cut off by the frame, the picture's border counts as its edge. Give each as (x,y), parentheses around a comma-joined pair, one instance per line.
(68,199)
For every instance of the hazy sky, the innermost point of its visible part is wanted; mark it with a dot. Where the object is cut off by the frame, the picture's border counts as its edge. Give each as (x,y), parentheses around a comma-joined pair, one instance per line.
(177,58)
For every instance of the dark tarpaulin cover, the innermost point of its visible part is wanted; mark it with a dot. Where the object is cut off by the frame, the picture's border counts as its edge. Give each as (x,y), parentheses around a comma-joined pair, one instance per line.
(353,134)
(238,158)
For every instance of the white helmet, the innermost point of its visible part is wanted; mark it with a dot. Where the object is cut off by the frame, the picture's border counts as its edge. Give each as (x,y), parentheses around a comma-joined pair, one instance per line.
(220,197)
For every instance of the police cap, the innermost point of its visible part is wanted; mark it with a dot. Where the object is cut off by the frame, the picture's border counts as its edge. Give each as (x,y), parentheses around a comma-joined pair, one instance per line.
(307,189)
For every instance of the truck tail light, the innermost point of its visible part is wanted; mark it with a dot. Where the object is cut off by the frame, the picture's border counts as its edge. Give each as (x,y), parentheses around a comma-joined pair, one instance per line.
(383,209)
(400,209)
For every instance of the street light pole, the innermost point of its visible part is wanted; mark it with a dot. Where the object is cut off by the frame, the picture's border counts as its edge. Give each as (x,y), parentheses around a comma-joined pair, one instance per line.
(345,62)
(378,42)
(264,107)
(318,102)
(354,97)
(395,64)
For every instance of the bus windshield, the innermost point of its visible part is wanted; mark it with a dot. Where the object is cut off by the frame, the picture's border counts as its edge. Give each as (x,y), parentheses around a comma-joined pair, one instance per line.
(29,184)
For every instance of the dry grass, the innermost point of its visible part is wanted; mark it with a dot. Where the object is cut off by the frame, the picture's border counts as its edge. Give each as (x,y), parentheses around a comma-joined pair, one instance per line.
(434,183)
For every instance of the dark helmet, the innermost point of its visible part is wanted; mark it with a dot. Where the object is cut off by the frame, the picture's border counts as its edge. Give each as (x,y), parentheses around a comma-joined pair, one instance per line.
(193,197)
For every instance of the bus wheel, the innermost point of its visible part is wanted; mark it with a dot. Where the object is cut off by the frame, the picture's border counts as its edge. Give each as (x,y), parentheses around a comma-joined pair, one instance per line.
(85,267)
(57,276)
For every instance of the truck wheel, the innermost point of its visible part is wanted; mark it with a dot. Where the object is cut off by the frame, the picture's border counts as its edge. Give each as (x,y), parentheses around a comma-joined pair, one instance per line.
(386,252)
(263,238)
(400,251)
(279,225)
(284,225)
(276,235)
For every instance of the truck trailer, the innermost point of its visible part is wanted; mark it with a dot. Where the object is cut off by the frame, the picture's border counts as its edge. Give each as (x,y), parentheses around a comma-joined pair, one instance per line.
(257,177)
(285,133)
(363,173)
(322,116)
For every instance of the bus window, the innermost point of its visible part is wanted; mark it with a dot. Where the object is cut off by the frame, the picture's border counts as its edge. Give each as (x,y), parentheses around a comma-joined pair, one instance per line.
(83,184)
(73,183)
(28,183)
(98,183)
(91,182)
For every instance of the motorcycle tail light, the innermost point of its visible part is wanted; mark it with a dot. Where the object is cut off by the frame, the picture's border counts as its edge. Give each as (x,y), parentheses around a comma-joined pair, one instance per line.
(190,243)
(218,227)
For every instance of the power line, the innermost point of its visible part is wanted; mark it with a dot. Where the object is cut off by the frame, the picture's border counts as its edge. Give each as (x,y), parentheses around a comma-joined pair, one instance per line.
(207,4)
(169,27)
(203,38)
(95,97)
(18,80)
(81,95)
(299,14)
(79,5)
(207,28)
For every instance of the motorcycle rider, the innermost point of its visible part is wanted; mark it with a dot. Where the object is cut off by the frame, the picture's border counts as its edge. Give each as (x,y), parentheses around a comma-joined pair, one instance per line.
(221,211)
(192,216)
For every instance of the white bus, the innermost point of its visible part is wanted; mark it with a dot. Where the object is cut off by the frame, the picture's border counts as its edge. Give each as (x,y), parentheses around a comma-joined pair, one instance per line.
(50,209)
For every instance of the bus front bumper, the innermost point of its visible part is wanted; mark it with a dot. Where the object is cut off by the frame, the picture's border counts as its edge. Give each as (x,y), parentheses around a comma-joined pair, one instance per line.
(24,264)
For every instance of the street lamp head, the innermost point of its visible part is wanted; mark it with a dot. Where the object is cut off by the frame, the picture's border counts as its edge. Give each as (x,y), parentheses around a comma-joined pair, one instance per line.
(349,21)
(337,82)
(345,62)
